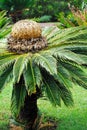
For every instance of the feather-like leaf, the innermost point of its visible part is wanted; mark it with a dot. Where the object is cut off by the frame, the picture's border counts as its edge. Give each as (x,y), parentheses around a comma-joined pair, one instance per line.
(18,68)
(6,59)
(77,72)
(37,75)
(69,55)
(64,77)
(47,62)
(29,78)
(18,98)
(6,76)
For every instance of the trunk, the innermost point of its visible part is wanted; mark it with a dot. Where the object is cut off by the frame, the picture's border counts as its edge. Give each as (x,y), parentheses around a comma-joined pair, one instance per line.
(28,114)
(17,15)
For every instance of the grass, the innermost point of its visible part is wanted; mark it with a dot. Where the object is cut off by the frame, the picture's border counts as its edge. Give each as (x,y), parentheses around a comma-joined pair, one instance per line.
(74,118)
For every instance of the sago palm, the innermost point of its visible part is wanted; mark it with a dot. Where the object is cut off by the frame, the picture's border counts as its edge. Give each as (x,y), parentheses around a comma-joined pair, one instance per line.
(49,61)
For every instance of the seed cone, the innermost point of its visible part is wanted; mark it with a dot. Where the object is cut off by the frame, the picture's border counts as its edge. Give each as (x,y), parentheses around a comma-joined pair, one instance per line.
(25,37)
(26,29)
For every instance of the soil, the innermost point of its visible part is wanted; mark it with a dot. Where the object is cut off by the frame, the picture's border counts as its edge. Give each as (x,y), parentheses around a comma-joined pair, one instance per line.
(49,125)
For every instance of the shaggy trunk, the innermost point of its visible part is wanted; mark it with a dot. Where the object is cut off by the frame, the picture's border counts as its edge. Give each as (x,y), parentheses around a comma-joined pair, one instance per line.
(29,112)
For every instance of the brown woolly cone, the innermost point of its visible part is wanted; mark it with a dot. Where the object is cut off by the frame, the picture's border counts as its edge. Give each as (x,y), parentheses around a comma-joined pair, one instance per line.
(25,37)
(26,29)
(26,45)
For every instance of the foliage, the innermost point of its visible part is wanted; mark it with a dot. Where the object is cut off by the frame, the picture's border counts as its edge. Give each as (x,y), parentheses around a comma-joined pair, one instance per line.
(15,8)
(68,118)
(75,18)
(44,7)
(52,8)
(45,18)
(49,68)
(19,9)
(5,28)
(4,22)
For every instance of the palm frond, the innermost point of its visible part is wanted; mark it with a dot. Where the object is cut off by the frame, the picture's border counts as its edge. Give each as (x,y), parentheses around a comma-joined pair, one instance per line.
(29,78)
(37,75)
(69,56)
(46,61)
(71,39)
(64,76)
(56,91)
(69,34)
(4,62)
(51,89)
(18,98)
(7,58)
(6,76)
(3,47)
(18,68)
(78,73)
(4,22)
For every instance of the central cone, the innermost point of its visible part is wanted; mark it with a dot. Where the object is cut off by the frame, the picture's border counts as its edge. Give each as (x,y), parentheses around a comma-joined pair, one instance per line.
(26,36)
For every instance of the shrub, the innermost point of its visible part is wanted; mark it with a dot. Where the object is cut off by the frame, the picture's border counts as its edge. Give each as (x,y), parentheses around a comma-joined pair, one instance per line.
(75,18)
(15,8)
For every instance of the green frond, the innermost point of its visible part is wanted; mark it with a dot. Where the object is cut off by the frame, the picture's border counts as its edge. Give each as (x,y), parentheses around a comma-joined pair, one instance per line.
(56,91)
(66,95)
(69,34)
(47,31)
(18,98)
(3,47)
(6,58)
(78,73)
(79,47)
(38,76)
(74,39)
(69,56)
(18,68)
(46,61)
(4,67)
(29,78)
(51,89)
(4,22)
(6,76)
(4,32)
(64,77)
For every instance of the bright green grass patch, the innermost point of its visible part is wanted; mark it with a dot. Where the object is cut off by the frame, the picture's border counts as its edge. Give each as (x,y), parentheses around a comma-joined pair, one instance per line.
(5,98)
(74,118)
(71,118)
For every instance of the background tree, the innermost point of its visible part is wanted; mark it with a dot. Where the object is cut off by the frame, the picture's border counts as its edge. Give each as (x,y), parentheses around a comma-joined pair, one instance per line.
(51,62)
(15,8)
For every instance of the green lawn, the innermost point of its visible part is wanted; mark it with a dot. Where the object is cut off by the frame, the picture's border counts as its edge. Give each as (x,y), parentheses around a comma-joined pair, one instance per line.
(74,118)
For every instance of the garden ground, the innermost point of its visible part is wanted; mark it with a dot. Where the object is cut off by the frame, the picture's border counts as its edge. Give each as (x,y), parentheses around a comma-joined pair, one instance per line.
(72,118)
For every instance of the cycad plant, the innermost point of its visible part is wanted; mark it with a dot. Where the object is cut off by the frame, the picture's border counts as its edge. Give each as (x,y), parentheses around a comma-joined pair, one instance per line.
(48,62)
(15,8)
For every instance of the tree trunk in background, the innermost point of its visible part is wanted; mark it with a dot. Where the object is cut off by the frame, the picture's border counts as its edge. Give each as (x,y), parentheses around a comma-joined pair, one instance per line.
(16,16)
